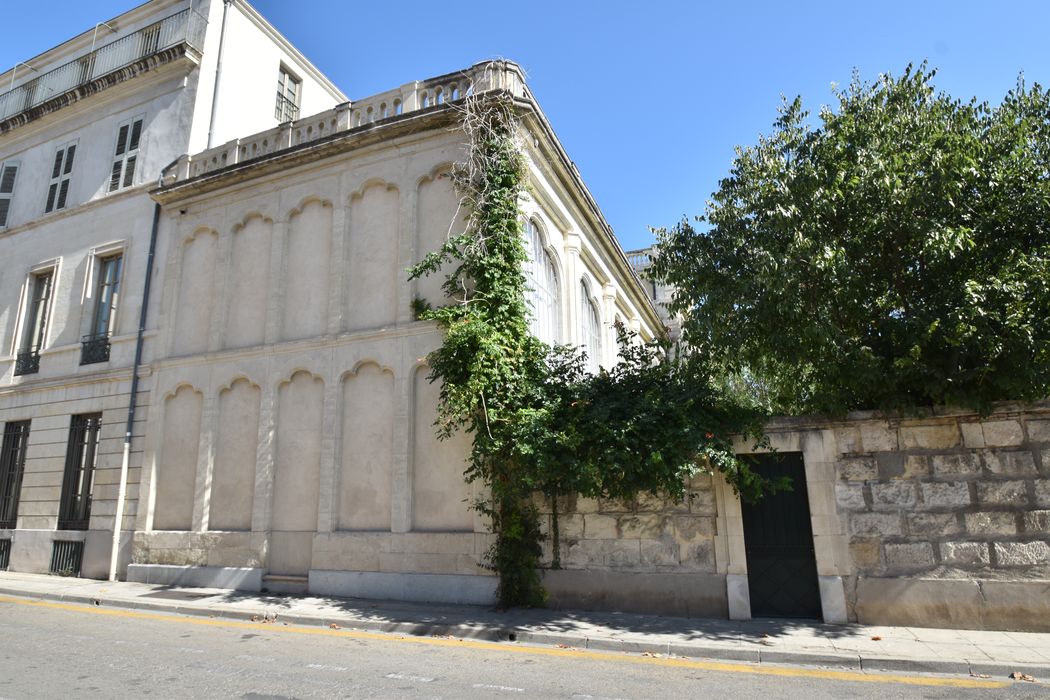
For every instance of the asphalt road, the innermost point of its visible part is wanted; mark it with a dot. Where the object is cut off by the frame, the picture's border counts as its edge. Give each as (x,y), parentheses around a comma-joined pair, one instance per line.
(53,650)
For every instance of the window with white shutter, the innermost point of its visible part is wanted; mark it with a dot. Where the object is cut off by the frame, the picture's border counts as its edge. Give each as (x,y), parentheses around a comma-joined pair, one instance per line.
(61,173)
(8,173)
(126,155)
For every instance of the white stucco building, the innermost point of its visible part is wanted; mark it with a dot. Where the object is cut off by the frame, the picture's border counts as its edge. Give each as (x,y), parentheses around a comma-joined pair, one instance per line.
(282,433)
(85,130)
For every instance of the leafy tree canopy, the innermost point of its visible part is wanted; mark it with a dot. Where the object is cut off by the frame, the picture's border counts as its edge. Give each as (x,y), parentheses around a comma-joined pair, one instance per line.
(893,253)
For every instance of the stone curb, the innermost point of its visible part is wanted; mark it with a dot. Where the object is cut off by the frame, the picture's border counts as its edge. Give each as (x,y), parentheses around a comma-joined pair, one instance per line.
(519,635)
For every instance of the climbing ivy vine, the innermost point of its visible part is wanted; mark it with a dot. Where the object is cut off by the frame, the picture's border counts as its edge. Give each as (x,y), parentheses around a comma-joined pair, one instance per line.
(540,423)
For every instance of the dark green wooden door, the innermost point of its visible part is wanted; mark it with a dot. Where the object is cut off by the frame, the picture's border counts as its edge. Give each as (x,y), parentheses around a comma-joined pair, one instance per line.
(778,541)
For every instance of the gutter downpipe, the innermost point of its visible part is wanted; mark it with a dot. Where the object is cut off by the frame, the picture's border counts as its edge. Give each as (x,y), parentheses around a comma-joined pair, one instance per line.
(122,489)
(218,72)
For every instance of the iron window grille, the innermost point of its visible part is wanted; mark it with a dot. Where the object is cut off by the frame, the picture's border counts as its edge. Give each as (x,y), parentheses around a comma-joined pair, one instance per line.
(78,480)
(8,174)
(12,467)
(289,94)
(66,557)
(34,328)
(61,174)
(5,554)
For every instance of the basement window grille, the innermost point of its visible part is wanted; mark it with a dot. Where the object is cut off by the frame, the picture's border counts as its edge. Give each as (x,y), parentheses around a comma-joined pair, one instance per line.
(5,554)
(66,557)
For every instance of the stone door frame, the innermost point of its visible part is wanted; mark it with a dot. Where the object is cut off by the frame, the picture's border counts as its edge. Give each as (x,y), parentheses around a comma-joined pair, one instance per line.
(830,543)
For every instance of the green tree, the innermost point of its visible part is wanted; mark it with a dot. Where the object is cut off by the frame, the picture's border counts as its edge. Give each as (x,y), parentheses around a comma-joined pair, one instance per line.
(893,253)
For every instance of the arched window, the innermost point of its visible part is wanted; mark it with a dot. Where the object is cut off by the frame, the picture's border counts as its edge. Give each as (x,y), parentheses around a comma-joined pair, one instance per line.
(590,328)
(542,294)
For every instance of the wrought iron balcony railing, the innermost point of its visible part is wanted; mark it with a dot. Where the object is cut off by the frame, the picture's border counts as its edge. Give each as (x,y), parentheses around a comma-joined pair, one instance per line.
(27,361)
(186,26)
(94,348)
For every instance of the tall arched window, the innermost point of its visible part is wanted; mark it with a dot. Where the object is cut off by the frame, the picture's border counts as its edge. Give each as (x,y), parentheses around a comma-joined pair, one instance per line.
(542,295)
(590,328)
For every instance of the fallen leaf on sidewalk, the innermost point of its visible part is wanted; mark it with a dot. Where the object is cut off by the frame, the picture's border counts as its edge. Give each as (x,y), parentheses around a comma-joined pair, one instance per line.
(1018,676)
(876,639)
(563,646)
(651,654)
(980,675)
(334,626)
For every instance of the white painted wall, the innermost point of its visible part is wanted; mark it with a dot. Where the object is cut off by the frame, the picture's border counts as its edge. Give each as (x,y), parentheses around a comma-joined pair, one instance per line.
(251,59)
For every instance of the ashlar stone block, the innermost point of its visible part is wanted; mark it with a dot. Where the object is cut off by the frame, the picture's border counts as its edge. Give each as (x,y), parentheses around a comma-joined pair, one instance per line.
(657,553)
(689,527)
(875,524)
(643,525)
(930,437)
(866,555)
(700,556)
(954,464)
(894,495)
(600,527)
(850,496)
(1002,493)
(946,494)
(1022,553)
(916,466)
(973,435)
(991,523)
(702,502)
(1002,433)
(931,524)
(1039,430)
(857,469)
(1042,492)
(965,553)
(1037,522)
(1014,463)
(878,438)
(911,555)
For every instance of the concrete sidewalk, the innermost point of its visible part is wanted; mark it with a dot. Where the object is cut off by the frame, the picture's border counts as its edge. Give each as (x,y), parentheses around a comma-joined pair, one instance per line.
(913,649)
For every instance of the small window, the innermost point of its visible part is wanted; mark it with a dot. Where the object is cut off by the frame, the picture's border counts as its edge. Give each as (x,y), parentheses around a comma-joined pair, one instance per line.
(79,478)
(126,154)
(590,329)
(61,173)
(34,324)
(8,174)
(289,95)
(95,347)
(12,466)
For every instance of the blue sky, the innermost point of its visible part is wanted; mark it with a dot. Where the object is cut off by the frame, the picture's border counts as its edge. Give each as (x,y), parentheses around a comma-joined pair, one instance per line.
(649,98)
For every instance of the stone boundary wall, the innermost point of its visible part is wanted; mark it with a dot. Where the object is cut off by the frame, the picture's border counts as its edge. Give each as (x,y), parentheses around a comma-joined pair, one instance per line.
(947,497)
(650,555)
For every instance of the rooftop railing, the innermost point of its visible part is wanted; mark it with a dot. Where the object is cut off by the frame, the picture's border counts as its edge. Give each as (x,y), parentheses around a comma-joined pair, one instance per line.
(483,77)
(185,26)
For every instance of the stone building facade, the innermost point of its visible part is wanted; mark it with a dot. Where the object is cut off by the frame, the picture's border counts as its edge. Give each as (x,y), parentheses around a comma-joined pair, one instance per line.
(282,436)
(292,444)
(85,130)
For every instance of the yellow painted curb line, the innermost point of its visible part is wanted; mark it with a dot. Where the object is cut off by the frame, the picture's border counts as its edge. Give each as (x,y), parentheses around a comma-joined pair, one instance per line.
(761,670)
